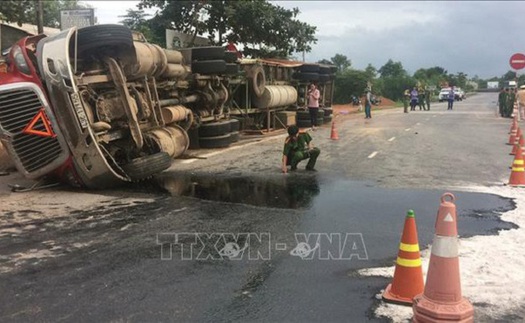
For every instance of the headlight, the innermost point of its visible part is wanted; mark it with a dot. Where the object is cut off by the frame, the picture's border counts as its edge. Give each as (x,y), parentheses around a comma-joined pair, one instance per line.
(20,61)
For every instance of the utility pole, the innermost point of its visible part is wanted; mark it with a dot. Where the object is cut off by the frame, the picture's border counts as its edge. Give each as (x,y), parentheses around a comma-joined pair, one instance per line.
(40,16)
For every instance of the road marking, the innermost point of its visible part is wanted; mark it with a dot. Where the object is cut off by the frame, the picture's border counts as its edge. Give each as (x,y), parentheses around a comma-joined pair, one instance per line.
(417,124)
(435,115)
(392,139)
(407,129)
(372,155)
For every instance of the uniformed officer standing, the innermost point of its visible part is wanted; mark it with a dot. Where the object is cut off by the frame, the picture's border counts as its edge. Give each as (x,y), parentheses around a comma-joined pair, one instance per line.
(421,98)
(406,98)
(427,98)
(501,102)
(298,147)
(511,99)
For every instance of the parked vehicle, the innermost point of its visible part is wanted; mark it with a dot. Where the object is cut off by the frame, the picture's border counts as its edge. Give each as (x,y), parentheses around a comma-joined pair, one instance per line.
(100,106)
(459,94)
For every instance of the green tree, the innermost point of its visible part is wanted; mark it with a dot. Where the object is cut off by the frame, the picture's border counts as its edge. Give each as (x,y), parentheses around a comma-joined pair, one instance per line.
(264,29)
(325,62)
(136,20)
(392,69)
(24,11)
(349,82)
(341,62)
(371,72)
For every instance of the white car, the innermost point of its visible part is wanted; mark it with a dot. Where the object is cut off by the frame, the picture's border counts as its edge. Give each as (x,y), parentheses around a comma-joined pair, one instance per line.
(459,94)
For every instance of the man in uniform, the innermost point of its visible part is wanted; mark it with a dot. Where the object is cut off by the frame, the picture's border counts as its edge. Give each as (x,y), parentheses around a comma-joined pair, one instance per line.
(501,102)
(406,98)
(521,102)
(298,147)
(427,98)
(421,98)
(511,99)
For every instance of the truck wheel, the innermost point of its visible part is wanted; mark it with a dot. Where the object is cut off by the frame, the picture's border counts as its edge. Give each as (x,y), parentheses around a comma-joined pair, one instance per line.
(320,113)
(328,119)
(328,112)
(232,69)
(216,141)
(306,76)
(235,125)
(304,123)
(207,53)
(98,36)
(309,68)
(320,121)
(235,136)
(258,80)
(302,115)
(324,77)
(324,70)
(214,129)
(209,67)
(230,57)
(144,167)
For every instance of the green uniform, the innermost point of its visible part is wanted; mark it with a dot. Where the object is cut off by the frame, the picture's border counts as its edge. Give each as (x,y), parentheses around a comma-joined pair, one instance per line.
(406,98)
(501,103)
(427,99)
(511,99)
(421,99)
(297,150)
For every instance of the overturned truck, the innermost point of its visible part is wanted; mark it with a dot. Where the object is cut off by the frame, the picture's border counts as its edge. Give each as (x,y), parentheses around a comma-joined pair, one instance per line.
(100,106)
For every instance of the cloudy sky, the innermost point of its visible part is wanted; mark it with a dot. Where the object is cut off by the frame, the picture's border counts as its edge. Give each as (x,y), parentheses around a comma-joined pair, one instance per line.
(473,37)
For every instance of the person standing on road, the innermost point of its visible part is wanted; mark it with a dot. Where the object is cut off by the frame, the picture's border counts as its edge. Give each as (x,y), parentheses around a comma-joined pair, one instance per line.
(421,98)
(406,98)
(368,104)
(450,98)
(501,102)
(413,99)
(520,96)
(511,101)
(428,93)
(313,104)
(298,147)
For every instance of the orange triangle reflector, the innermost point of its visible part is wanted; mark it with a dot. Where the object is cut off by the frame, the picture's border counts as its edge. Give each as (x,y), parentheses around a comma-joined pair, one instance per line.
(40,116)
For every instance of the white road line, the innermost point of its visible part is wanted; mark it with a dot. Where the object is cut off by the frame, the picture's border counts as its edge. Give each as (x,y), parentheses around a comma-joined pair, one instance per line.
(417,124)
(407,129)
(372,155)
(392,139)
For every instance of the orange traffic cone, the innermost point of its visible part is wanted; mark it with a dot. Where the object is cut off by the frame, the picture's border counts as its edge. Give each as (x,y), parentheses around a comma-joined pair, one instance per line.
(513,133)
(517,175)
(519,142)
(442,301)
(334,135)
(514,124)
(408,276)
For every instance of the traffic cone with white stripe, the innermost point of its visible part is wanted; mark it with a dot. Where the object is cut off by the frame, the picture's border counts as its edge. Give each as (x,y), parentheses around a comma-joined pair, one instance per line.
(408,275)
(520,142)
(334,135)
(441,300)
(514,124)
(517,175)
(513,132)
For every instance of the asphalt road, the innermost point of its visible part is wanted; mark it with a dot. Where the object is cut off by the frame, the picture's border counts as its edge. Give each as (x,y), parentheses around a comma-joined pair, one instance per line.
(230,238)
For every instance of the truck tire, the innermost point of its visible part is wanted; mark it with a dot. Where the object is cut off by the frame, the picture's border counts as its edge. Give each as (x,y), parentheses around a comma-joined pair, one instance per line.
(209,67)
(144,167)
(324,77)
(328,119)
(230,57)
(207,53)
(231,69)
(216,141)
(309,68)
(306,76)
(235,125)
(328,112)
(98,36)
(304,123)
(258,80)
(235,136)
(215,129)
(324,70)
(302,115)
(320,113)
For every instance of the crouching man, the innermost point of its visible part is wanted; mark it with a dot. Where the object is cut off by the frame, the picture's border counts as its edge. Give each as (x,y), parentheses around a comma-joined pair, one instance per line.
(297,147)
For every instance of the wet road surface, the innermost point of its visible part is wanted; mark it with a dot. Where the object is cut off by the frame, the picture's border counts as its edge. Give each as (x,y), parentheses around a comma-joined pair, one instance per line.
(121,261)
